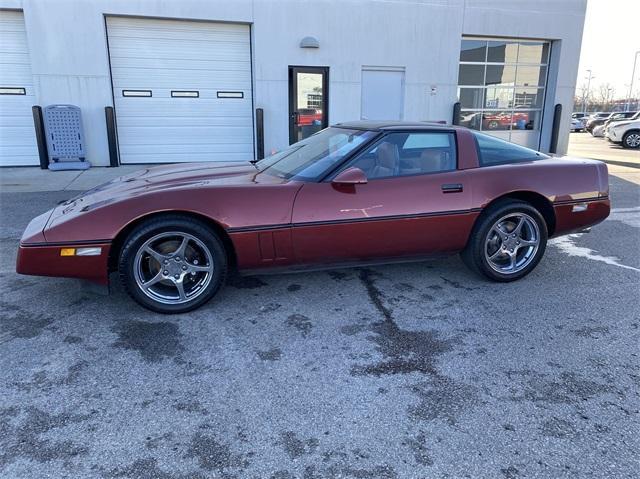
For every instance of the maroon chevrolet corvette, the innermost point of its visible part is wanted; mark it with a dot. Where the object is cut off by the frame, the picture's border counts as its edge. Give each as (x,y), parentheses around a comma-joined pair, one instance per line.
(355,193)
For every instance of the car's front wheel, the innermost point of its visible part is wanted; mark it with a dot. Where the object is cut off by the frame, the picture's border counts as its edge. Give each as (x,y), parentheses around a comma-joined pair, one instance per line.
(631,139)
(507,242)
(172,264)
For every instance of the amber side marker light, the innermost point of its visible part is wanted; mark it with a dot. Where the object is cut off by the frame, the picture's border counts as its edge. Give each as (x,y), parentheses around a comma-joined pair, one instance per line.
(80,251)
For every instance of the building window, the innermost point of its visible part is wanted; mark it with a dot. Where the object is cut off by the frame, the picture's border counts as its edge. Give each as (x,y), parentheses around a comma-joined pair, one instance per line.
(501,84)
(314,100)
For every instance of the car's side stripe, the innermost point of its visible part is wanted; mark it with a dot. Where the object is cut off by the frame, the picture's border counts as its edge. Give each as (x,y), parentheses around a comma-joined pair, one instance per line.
(244,229)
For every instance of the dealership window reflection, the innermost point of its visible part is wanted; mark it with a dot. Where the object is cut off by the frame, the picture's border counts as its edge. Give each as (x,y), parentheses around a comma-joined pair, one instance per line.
(501,85)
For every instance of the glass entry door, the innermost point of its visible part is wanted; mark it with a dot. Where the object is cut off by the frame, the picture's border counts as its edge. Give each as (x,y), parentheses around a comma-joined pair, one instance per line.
(308,101)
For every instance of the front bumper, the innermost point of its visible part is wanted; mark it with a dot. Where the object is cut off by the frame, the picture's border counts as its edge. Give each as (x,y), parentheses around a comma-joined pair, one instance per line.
(46,260)
(38,257)
(613,136)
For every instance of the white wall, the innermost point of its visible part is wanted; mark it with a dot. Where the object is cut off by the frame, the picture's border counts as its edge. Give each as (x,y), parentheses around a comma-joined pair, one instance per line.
(70,62)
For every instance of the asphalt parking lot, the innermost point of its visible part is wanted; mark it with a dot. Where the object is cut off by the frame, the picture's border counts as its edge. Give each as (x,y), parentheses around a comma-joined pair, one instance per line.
(403,371)
(583,144)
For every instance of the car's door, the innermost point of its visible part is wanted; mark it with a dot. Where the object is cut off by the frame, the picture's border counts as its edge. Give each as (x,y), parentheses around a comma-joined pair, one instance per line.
(416,202)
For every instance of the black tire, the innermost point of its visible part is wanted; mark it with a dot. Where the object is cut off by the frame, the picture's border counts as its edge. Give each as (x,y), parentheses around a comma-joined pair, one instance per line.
(167,224)
(474,253)
(627,139)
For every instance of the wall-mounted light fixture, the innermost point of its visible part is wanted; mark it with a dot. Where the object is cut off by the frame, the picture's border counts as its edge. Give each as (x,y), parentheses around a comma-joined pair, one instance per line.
(309,42)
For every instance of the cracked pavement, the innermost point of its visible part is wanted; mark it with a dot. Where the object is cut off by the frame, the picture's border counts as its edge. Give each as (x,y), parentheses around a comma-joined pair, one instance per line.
(403,371)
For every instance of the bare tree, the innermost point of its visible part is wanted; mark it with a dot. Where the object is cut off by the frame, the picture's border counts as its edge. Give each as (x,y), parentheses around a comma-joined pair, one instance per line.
(605,94)
(583,97)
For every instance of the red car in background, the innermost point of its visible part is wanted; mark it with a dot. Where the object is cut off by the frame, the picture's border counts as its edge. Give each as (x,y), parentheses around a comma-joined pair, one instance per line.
(309,116)
(504,121)
(355,193)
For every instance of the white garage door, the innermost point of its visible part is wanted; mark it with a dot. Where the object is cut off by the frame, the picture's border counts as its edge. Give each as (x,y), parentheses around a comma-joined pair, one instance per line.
(18,145)
(182,90)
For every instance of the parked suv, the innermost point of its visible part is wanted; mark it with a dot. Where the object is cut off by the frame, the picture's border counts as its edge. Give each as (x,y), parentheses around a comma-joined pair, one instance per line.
(600,120)
(614,121)
(625,132)
(596,119)
(621,116)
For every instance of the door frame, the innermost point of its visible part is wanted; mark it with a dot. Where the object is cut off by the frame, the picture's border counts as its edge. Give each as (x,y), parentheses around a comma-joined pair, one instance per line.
(293,88)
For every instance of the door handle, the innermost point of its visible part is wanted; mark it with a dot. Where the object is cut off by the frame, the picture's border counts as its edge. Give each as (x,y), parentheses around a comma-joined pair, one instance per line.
(452,188)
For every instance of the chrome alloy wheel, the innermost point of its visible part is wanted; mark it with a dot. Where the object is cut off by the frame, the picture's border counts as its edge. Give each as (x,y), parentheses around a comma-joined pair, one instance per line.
(173,267)
(633,140)
(512,243)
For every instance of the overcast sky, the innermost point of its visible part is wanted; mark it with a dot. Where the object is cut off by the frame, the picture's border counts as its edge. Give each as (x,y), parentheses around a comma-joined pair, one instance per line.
(611,37)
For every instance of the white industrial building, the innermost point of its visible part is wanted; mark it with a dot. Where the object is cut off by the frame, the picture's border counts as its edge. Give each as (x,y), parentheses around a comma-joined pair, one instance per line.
(186,77)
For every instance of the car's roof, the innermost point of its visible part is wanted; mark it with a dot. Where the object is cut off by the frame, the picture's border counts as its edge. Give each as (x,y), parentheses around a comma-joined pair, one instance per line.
(394,125)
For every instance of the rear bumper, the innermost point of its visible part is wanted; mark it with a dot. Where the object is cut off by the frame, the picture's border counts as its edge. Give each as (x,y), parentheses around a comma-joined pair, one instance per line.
(576,216)
(45,260)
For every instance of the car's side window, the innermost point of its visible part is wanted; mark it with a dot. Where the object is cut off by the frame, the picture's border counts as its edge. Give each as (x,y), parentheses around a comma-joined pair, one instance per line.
(494,151)
(406,154)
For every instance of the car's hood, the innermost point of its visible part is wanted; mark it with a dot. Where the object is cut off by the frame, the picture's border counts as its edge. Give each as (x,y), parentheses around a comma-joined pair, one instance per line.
(616,124)
(230,172)
(164,178)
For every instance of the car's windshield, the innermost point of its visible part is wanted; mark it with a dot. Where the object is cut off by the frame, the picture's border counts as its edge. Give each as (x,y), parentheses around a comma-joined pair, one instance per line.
(311,158)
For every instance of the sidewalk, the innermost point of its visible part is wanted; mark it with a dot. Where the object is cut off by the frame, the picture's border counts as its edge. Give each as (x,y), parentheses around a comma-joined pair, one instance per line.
(33,179)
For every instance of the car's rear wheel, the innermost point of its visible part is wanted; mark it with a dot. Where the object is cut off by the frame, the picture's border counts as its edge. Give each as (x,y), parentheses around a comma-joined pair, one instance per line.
(631,139)
(172,264)
(507,242)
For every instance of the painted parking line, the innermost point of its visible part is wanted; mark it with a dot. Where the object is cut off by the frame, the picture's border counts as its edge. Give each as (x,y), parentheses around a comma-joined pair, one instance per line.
(567,245)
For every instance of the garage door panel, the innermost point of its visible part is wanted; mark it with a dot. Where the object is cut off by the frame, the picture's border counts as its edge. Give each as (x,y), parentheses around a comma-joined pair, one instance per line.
(181,108)
(14,58)
(171,35)
(169,79)
(175,49)
(203,121)
(15,40)
(186,134)
(185,64)
(166,55)
(17,135)
(241,70)
(16,75)
(181,157)
(18,121)
(229,147)
(176,30)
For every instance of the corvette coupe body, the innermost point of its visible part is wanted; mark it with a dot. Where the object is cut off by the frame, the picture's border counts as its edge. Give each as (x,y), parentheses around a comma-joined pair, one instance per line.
(354,193)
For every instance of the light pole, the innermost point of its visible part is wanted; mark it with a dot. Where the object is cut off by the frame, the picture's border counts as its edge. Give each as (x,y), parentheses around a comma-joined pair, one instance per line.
(584,97)
(633,74)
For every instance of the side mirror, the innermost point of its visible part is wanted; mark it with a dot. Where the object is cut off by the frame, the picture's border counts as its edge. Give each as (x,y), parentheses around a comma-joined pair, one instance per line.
(350,176)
